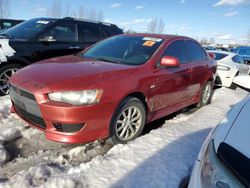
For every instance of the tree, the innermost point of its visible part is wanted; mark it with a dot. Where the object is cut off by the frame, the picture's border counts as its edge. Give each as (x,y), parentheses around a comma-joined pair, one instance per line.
(81,12)
(156,25)
(91,14)
(4,9)
(211,41)
(129,31)
(100,16)
(58,10)
(204,41)
(248,37)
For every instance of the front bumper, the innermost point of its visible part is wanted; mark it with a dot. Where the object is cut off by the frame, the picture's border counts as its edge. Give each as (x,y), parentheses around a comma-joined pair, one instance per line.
(93,120)
(195,180)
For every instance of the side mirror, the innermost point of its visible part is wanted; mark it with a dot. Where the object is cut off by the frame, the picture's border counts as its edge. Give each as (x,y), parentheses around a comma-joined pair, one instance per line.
(212,55)
(242,82)
(169,61)
(48,39)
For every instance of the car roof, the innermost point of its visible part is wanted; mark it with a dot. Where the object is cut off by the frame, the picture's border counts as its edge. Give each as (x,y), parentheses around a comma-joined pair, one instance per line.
(243,47)
(74,19)
(161,36)
(221,52)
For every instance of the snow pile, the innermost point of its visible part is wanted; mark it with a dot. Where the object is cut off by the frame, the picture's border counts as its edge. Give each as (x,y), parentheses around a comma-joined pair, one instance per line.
(11,127)
(6,136)
(161,158)
(4,156)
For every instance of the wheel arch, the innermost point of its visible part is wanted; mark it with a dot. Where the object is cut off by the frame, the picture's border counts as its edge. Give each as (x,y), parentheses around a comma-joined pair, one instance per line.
(136,94)
(21,62)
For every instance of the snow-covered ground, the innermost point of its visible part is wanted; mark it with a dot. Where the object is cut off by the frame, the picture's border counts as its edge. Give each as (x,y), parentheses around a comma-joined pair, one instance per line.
(161,158)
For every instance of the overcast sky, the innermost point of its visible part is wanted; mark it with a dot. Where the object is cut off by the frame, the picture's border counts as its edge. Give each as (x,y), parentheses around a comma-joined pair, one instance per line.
(224,20)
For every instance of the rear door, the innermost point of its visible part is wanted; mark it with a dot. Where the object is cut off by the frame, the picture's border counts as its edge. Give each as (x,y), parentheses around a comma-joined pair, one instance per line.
(198,62)
(172,85)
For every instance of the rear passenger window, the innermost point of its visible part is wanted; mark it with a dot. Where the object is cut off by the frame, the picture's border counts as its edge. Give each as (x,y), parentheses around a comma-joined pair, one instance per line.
(7,25)
(89,32)
(177,49)
(219,56)
(195,52)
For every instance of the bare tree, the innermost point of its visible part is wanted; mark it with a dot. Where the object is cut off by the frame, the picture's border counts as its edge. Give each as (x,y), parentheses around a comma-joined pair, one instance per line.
(204,41)
(4,9)
(129,31)
(211,41)
(152,26)
(80,12)
(248,37)
(161,25)
(91,14)
(100,16)
(156,26)
(58,10)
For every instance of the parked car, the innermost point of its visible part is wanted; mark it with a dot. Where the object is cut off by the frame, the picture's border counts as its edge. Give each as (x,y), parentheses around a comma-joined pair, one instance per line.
(113,88)
(43,38)
(221,49)
(229,66)
(224,160)
(8,23)
(206,47)
(244,53)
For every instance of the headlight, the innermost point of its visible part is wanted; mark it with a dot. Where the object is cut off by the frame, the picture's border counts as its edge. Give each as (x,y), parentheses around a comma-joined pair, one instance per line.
(223,68)
(77,97)
(213,173)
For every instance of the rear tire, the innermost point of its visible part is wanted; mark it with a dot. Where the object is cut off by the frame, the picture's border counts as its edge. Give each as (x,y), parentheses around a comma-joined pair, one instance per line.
(128,121)
(6,72)
(206,94)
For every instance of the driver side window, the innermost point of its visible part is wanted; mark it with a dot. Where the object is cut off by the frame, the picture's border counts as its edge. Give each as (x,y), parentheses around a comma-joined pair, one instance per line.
(177,49)
(63,32)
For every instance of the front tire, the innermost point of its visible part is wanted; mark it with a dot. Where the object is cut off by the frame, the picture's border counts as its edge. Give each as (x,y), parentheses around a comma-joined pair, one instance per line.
(6,72)
(206,94)
(128,121)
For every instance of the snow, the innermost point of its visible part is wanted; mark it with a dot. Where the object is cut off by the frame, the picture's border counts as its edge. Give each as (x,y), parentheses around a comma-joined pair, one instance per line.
(161,158)
(243,81)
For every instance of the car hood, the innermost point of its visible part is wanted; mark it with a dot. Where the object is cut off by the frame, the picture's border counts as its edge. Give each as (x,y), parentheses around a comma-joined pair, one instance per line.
(70,73)
(238,136)
(234,129)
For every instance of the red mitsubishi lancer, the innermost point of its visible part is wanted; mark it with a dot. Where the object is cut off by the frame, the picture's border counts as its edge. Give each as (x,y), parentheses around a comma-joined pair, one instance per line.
(114,88)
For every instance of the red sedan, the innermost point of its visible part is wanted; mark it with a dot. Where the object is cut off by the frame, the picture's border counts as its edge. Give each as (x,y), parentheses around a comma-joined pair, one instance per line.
(114,88)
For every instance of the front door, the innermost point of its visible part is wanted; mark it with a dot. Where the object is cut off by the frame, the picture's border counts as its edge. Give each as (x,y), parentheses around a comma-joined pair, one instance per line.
(172,84)
(62,39)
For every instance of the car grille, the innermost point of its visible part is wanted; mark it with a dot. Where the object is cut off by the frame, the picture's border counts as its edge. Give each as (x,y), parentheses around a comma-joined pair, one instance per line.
(26,106)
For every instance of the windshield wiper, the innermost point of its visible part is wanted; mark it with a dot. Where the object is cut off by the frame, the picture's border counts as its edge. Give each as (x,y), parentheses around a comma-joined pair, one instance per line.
(107,60)
(101,59)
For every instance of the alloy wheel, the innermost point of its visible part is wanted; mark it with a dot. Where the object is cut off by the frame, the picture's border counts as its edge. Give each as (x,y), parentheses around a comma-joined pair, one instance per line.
(4,80)
(206,93)
(128,123)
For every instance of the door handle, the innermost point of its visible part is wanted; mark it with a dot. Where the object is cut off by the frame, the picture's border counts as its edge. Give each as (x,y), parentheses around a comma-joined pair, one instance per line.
(74,47)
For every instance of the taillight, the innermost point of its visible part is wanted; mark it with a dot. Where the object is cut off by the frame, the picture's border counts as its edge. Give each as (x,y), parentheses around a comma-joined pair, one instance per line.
(212,55)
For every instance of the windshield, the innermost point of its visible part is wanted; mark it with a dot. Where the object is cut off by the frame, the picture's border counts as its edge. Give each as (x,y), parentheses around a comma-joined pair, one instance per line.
(27,29)
(131,50)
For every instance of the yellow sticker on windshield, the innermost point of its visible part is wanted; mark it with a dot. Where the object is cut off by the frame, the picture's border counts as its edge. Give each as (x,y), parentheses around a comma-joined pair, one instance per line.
(149,43)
